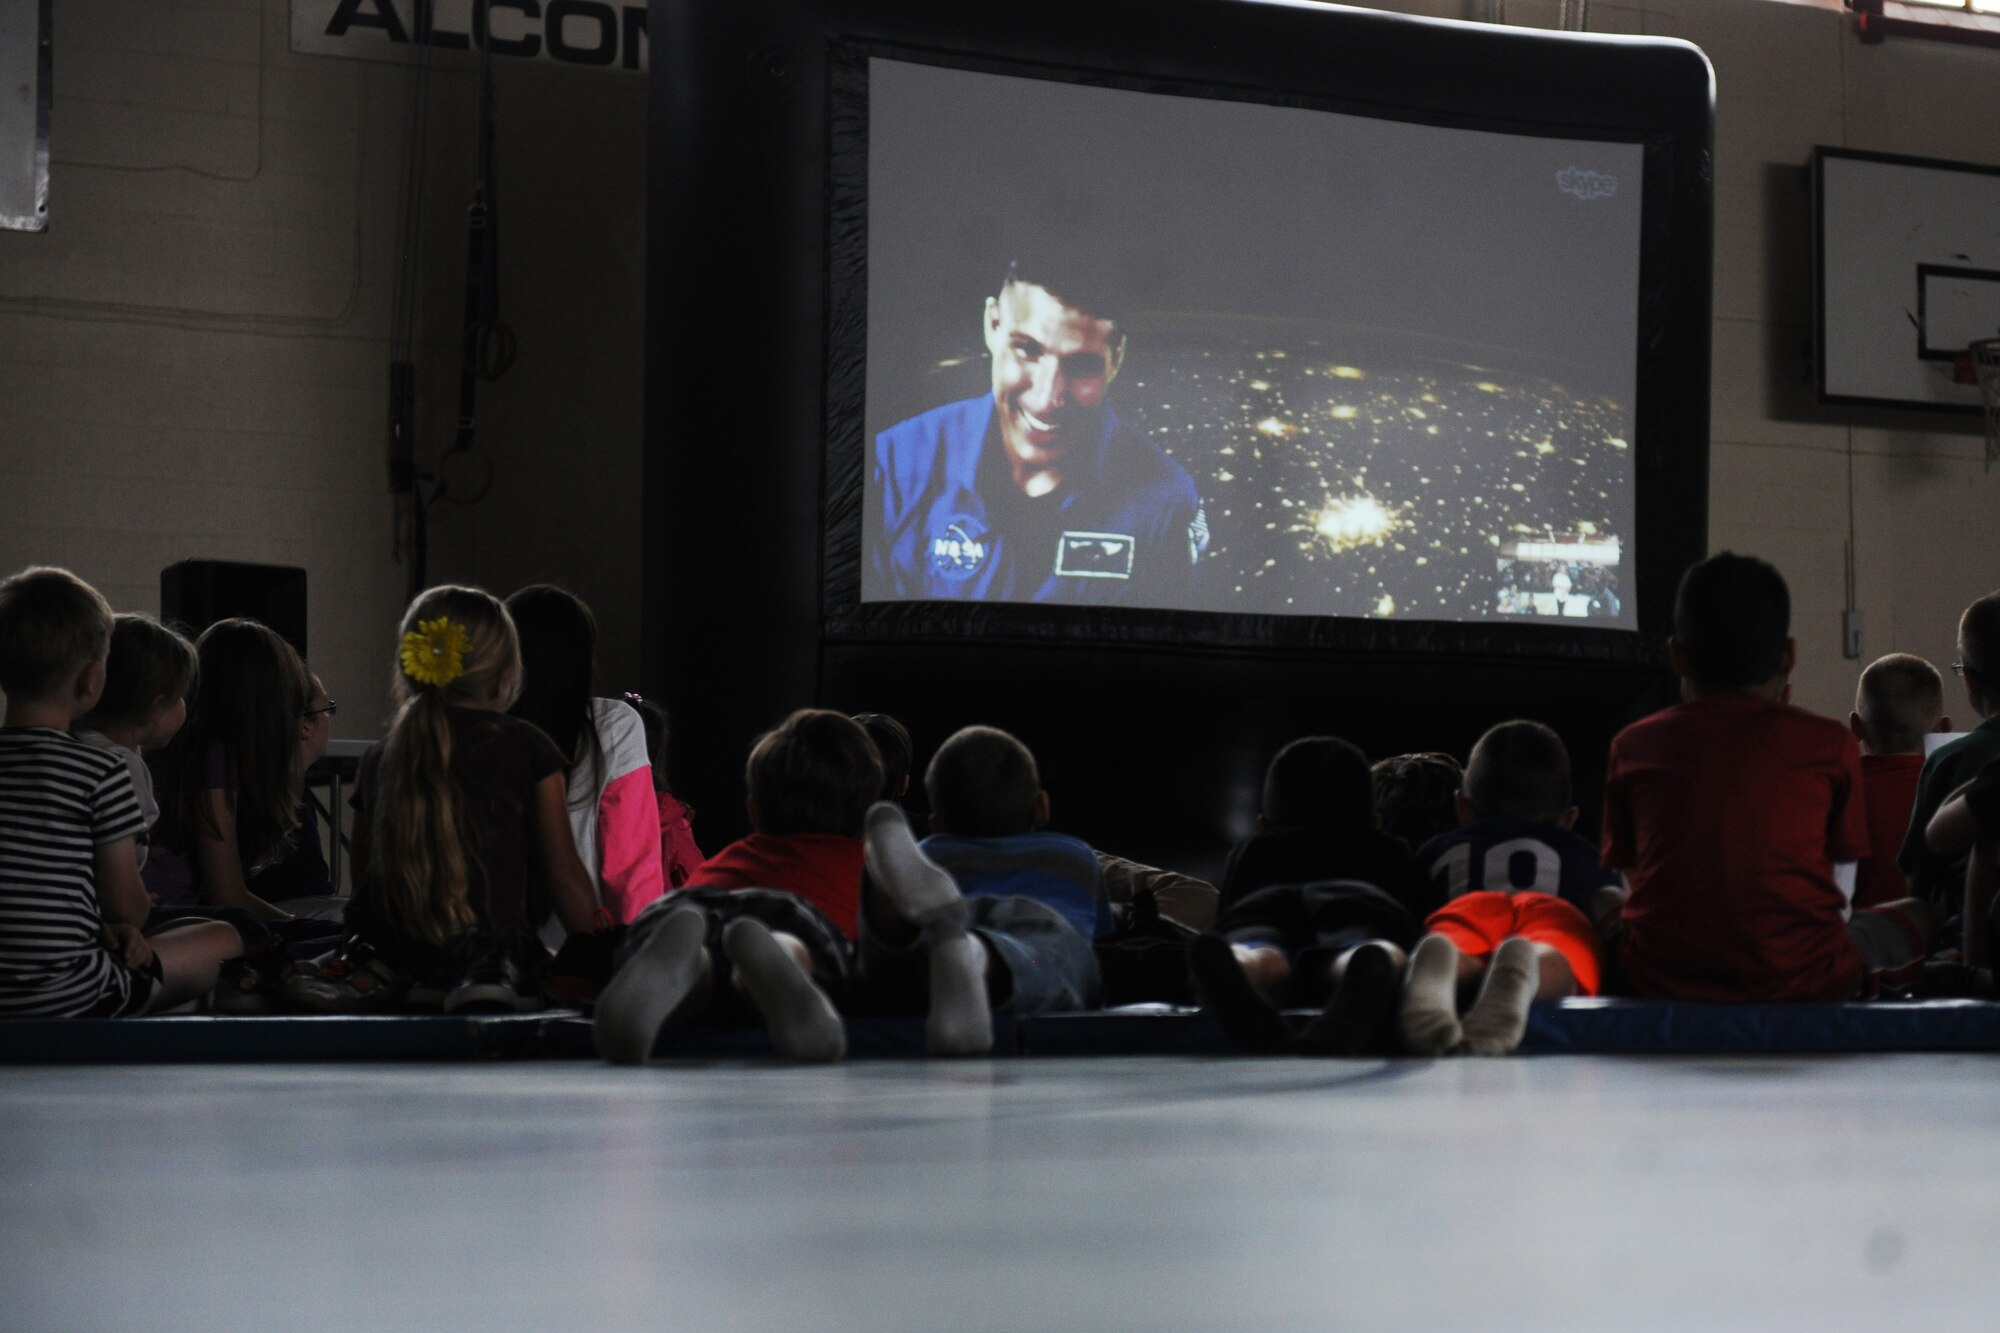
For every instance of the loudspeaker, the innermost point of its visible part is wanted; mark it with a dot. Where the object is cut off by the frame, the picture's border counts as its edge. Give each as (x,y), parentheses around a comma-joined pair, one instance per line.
(194,594)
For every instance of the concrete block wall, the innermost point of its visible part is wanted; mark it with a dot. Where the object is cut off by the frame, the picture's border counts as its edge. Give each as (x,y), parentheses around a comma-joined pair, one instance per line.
(1785,472)
(193,359)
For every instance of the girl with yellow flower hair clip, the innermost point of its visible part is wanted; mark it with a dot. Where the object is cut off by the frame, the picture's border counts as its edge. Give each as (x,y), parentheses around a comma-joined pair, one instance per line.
(462,846)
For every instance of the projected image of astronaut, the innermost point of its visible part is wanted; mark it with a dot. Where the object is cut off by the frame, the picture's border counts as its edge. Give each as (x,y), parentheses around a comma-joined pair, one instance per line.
(1036,491)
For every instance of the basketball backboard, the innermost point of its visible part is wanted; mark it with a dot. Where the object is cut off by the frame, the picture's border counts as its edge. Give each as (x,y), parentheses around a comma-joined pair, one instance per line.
(1908,253)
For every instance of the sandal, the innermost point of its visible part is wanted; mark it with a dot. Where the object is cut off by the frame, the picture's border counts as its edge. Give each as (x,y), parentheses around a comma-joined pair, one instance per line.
(356,980)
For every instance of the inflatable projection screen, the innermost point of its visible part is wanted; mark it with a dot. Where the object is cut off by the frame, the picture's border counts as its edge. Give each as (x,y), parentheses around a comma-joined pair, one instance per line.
(999,355)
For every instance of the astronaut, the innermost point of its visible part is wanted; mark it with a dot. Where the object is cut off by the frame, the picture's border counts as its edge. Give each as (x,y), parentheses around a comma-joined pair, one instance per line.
(1038,491)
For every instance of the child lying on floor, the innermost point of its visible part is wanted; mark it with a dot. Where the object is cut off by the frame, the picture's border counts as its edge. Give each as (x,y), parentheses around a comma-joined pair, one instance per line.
(770,919)
(1517,884)
(991,913)
(1320,909)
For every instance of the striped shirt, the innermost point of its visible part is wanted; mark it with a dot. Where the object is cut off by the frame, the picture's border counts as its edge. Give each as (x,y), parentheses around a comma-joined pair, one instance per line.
(59,800)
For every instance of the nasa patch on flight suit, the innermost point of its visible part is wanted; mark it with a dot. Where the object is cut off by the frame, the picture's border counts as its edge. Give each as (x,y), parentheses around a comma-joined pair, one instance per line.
(1095,555)
(960,548)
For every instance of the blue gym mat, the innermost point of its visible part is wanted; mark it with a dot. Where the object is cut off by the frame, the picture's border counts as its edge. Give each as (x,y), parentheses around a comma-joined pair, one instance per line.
(1568,1027)
(1664,1027)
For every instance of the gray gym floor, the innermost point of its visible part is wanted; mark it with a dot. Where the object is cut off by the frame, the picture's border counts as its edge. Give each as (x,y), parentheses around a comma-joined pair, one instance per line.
(1154,1194)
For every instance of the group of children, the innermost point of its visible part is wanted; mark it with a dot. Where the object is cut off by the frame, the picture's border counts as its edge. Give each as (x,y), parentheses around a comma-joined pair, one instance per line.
(514,838)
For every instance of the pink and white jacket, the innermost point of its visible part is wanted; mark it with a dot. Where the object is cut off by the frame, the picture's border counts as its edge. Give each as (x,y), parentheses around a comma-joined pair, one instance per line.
(617,822)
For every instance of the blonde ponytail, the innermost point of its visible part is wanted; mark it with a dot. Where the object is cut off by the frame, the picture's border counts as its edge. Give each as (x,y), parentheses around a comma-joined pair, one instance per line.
(421,854)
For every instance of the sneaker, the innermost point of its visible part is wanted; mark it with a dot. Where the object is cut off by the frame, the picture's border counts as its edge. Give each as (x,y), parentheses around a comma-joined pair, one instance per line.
(495,983)
(427,993)
(356,980)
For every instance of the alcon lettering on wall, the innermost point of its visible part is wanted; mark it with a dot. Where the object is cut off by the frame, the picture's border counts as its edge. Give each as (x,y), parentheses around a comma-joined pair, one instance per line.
(591,33)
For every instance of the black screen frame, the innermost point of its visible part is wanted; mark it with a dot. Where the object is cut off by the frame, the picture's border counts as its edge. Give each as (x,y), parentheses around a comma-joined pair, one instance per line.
(752,341)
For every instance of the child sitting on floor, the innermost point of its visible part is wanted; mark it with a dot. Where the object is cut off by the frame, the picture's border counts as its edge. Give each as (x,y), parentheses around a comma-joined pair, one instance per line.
(146,684)
(614,812)
(1518,885)
(991,913)
(232,781)
(72,909)
(462,842)
(1727,812)
(1899,701)
(679,852)
(1967,827)
(1934,877)
(1328,904)
(771,916)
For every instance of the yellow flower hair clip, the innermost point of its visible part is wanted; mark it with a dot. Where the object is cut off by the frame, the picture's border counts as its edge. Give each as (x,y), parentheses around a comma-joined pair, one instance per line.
(434,652)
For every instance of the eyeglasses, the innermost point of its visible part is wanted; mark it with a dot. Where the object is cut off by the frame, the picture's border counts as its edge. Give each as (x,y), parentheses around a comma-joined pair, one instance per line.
(330,707)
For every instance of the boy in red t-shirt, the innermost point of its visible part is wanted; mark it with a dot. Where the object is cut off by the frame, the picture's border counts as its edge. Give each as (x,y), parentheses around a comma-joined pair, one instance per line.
(1727,812)
(1900,700)
(770,917)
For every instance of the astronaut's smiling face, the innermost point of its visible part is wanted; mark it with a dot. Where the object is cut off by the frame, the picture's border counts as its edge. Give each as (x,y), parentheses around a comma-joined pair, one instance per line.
(1051,365)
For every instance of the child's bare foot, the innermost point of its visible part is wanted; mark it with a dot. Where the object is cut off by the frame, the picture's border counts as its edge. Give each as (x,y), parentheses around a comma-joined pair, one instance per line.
(1429,1016)
(1499,1017)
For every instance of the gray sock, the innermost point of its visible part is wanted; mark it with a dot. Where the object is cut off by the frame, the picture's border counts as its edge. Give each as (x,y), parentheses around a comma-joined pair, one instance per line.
(921,890)
(801,1020)
(1428,1018)
(1498,1019)
(961,1020)
(652,984)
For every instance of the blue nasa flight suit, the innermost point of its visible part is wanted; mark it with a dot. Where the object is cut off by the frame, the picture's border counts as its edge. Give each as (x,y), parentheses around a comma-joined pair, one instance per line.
(1125,526)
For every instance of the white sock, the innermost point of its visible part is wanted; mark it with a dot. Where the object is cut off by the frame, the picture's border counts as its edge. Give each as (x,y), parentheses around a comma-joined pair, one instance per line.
(922,890)
(961,1020)
(1498,1019)
(801,1020)
(644,993)
(1428,1019)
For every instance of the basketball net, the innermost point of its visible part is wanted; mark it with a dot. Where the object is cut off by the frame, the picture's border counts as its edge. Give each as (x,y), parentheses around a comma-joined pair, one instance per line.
(1986,365)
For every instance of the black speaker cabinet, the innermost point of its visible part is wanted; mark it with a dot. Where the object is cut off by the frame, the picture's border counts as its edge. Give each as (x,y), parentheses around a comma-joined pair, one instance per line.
(194,594)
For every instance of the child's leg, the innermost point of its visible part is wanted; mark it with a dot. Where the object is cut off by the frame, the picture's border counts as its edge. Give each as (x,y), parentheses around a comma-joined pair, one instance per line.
(1894,938)
(924,895)
(1428,1018)
(775,972)
(1240,984)
(1981,883)
(1265,966)
(191,956)
(667,966)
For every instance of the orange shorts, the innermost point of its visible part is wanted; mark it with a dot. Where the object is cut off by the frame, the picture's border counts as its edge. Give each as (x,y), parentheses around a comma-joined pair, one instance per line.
(1477,922)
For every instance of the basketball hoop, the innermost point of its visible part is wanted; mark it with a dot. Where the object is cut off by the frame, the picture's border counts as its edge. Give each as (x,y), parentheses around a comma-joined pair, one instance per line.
(1985,355)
